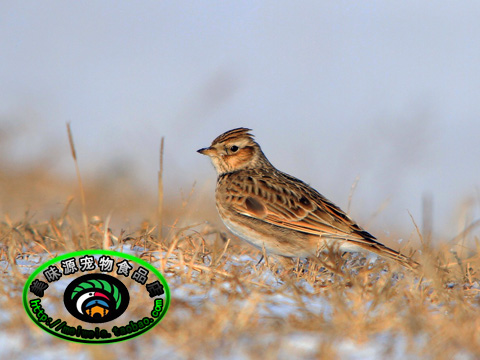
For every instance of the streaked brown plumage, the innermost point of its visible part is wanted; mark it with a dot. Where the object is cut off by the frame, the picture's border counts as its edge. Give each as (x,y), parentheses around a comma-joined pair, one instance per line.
(275,211)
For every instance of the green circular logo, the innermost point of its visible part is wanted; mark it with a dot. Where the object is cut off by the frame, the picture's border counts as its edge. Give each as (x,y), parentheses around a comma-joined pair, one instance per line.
(96,296)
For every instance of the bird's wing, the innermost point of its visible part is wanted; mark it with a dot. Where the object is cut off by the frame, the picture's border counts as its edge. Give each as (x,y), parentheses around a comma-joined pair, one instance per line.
(289,203)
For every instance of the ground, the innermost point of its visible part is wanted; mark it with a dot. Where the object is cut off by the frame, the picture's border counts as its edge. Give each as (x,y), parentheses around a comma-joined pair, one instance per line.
(227,305)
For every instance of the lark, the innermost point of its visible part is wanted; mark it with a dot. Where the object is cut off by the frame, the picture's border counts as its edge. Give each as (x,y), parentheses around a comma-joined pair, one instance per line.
(277,212)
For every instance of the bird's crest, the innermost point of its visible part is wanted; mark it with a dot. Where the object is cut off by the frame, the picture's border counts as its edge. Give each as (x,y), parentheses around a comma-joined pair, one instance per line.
(233,135)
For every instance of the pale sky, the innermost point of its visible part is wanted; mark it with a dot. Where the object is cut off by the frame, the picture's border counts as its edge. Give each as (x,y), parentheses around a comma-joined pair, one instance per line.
(384,90)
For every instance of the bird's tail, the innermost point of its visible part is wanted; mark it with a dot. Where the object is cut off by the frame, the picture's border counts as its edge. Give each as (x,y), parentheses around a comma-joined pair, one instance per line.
(385,252)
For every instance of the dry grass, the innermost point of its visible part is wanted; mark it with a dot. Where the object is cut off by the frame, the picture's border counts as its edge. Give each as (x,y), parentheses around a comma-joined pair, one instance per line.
(223,303)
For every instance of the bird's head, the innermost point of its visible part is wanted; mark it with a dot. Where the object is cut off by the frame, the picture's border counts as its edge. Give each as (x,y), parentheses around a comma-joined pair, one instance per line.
(235,150)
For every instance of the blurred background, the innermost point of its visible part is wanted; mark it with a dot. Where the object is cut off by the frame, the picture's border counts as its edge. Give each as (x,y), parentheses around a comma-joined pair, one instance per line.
(383,92)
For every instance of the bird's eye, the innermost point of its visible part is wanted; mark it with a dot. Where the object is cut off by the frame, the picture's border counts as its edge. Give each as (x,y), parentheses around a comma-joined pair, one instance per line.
(234,148)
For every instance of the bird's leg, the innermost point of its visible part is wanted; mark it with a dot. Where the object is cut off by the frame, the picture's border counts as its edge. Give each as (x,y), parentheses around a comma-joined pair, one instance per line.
(260,261)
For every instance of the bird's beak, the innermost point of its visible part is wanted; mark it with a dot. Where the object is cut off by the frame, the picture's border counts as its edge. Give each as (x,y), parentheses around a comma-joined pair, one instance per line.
(206,151)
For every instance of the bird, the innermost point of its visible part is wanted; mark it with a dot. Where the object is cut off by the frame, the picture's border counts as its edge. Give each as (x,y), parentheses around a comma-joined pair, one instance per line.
(277,212)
